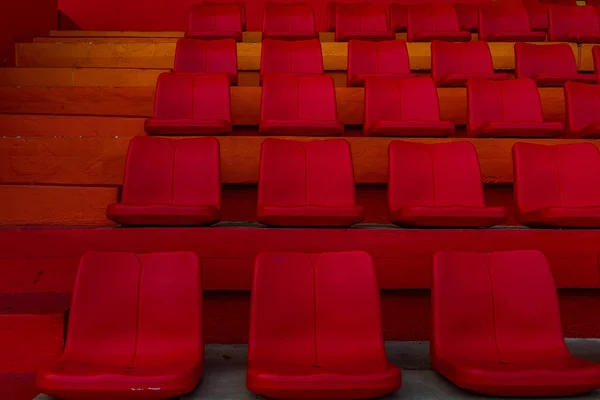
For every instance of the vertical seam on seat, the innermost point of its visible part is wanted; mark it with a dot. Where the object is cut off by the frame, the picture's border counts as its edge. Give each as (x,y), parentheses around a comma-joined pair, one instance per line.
(558,177)
(305,151)
(137,311)
(173,174)
(433,177)
(502,110)
(314,273)
(206,53)
(488,259)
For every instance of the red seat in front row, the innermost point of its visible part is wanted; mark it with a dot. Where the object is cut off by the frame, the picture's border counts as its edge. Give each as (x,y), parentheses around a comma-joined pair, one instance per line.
(307,184)
(362,21)
(170,182)
(385,59)
(315,328)
(135,329)
(295,21)
(438,185)
(428,22)
(215,20)
(497,329)
(583,110)
(555,186)
(207,56)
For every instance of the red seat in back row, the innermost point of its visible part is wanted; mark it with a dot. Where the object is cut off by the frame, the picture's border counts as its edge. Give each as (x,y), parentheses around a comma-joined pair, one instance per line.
(583,110)
(300,57)
(362,21)
(217,20)
(294,21)
(428,22)
(573,24)
(383,59)
(501,22)
(207,56)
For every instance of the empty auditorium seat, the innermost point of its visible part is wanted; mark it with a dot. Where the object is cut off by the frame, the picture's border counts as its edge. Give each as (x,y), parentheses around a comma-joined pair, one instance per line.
(452,64)
(583,110)
(427,22)
(398,17)
(497,328)
(215,20)
(362,22)
(548,65)
(300,57)
(555,186)
(135,329)
(307,184)
(403,107)
(170,182)
(387,59)
(438,185)
(506,23)
(332,11)
(294,21)
(510,108)
(299,105)
(207,56)
(468,16)
(537,13)
(315,328)
(573,24)
(191,104)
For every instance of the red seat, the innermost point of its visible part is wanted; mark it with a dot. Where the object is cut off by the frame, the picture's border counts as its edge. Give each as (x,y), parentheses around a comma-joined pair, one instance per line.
(135,329)
(573,24)
(538,14)
(301,57)
(438,185)
(555,186)
(510,108)
(398,17)
(170,182)
(452,64)
(506,23)
(215,20)
(468,16)
(427,22)
(361,21)
(315,328)
(548,65)
(207,56)
(299,106)
(384,59)
(583,110)
(403,107)
(497,329)
(332,11)
(307,184)
(191,104)
(294,21)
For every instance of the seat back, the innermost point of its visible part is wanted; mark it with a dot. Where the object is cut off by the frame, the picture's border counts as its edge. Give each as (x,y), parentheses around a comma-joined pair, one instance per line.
(434,175)
(571,22)
(207,56)
(502,17)
(332,11)
(460,58)
(497,307)
(468,16)
(538,14)
(360,17)
(398,17)
(291,57)
(556,176)
(306,173)
(515,100)
(294,17)
(582,105)
(532,59)
(175,172)
(373,58)
(431,18)
(217,16)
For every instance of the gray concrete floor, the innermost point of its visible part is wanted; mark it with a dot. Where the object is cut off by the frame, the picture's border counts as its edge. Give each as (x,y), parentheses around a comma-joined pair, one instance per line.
(225,373)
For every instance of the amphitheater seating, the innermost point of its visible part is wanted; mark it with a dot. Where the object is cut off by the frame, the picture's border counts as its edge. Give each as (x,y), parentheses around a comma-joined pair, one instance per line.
(427,22)
(438,185)
(502,336)
(583,110)
(506,23)
(307,184)
(170,182)
(452,64)
(384,59)
(315,328)
(510,108)
(207,56)
(214,20)
(403,107)
(135,329)
(299,105)
(294,21)
(573,24)
(554,185)
(191,104)
(468,16)
(398,17)
(301,57)
(537,13)
(548,65)
(361,21)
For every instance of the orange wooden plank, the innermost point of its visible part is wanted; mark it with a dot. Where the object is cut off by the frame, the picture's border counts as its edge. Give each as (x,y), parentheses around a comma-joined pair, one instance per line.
(587,60)
(60,125)
(140,34)
(107,39)
(80,77)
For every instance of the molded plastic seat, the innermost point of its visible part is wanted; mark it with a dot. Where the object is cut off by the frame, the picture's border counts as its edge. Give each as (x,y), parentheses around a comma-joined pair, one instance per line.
(468,16)
(497,328)
(510,108)
(301,57)
(361,21)
(548,65)
(573,24)
(332,11)
(215,20)
(294,21)
(537,13)
(384,59)
(135,329)
(315,328)
(398,17)
(299,105)
(452,64)
(207,56)
(555,186)
(403,107)
(170,182)
(506,23)
(438,185)
(307,184)
(583,110)
(427,22)
(191,104)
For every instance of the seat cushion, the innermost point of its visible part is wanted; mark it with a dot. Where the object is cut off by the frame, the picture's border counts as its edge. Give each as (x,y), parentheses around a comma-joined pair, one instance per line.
(454,216)
(372,36)
(447,36)
(411,128)
(293,35)
(519,129)
(461,79)
(166,215)
(194,127)
(525,36)
(562,217)
(549,79)
(300,127)
(214,35)
(310,215)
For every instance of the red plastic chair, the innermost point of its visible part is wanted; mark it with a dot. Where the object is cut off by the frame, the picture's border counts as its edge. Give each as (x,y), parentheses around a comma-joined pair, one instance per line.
(583,110)
(506,23)
(428,22)
(207,56)
(383,59)
(573,24)
(216,20)
(301,57)
(362,22)
(294,21)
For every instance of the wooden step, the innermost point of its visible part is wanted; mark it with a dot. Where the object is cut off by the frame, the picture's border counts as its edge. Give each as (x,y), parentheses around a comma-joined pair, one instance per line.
(586,57)
(138,34)
(61,125)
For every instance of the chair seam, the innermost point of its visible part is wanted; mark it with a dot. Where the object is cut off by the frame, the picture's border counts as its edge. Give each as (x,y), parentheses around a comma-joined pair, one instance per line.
(488,259)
